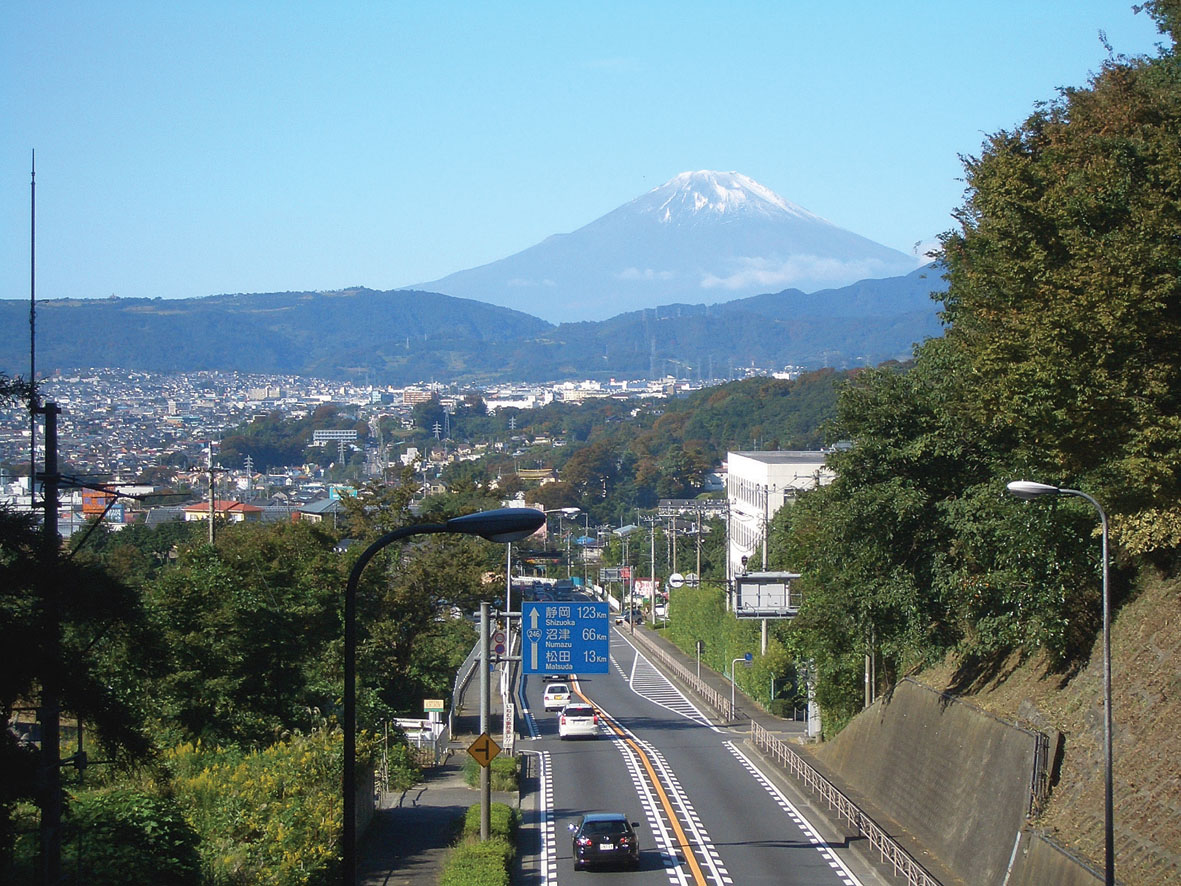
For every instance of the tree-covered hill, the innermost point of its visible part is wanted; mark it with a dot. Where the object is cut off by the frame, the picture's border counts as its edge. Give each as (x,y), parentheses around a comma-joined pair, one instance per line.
(1062,365)
(403,337)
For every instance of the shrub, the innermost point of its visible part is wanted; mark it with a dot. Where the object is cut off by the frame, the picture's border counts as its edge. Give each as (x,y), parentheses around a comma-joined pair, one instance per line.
(473,863)
(266,817)
(502,822)
(476,863)
(504,773)
(129,837)
(404,771)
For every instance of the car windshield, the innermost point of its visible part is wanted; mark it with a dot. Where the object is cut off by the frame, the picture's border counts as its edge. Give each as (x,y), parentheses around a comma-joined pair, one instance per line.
(557,689)
(578,710)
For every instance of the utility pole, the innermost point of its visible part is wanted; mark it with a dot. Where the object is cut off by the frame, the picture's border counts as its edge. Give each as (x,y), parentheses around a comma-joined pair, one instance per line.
(673,558)
(652,569)
(212,495)
(50,713)
(485,705)
(698,573)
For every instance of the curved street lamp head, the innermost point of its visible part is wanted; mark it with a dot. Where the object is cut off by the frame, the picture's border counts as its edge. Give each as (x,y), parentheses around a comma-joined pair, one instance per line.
(1027,489)
(501,525)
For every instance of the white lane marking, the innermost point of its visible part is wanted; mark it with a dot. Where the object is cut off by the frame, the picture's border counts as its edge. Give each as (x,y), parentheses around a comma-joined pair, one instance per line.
(549,839)
(646,681)
(660,831)
(687,815)
(546,836)
(524,710)
(826,851)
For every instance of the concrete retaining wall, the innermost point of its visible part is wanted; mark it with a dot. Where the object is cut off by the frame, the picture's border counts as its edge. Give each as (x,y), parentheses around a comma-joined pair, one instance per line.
(958,779)
(1040,861)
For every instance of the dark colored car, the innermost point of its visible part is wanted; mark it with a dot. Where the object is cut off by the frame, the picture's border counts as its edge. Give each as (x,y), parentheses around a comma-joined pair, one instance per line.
(605,838)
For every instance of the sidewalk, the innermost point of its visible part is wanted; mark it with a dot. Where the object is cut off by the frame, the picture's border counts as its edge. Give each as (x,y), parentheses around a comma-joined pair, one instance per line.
(413,830)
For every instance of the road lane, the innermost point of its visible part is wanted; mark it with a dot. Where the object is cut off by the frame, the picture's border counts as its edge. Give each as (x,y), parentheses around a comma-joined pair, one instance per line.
(709,814)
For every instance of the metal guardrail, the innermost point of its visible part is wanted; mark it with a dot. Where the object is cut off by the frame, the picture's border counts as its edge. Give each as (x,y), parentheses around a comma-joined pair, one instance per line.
(888,850)
(462,677)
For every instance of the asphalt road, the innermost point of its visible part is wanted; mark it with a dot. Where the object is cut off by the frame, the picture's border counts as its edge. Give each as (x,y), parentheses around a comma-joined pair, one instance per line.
(709,811)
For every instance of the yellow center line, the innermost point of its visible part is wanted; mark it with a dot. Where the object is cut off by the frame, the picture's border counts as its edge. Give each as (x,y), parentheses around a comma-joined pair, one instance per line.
(682,838)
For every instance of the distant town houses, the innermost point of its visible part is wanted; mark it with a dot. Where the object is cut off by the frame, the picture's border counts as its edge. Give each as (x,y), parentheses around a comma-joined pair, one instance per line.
(122,426)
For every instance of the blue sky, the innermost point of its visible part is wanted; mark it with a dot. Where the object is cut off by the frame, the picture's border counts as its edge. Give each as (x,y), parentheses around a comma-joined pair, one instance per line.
(187,149)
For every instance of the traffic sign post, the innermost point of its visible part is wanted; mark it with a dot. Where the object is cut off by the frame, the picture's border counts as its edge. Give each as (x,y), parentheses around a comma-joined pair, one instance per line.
(484,749)
(564,638)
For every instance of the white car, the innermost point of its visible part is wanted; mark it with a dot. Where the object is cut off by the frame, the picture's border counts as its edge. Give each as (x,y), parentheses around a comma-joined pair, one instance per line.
(578,719)
(556,696)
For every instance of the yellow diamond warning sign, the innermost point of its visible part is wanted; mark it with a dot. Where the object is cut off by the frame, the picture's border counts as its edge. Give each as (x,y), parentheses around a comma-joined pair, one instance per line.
(483,749)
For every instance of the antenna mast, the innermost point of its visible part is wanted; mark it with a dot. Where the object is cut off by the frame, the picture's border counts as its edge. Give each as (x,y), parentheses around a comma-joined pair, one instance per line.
(34,401)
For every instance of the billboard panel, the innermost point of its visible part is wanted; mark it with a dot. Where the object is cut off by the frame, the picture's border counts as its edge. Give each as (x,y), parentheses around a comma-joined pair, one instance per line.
(765,595)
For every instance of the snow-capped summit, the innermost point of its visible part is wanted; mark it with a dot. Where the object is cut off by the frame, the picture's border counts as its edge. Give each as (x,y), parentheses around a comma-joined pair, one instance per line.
(701,237)
(692,194)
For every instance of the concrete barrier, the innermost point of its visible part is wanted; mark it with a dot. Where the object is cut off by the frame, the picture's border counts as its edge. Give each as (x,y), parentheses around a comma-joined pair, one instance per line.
(1039,860)
(960,780)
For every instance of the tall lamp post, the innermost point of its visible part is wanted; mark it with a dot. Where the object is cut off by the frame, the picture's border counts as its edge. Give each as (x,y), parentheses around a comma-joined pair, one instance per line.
(503,525)
(569,514)
(1026,489)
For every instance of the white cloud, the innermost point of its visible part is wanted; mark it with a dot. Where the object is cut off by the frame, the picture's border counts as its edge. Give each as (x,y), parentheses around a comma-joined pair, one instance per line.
(806,269)
(645,274)
(525,282)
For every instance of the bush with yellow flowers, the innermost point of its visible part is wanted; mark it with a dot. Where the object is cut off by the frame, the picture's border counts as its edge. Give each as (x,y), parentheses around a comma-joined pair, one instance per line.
(271,816)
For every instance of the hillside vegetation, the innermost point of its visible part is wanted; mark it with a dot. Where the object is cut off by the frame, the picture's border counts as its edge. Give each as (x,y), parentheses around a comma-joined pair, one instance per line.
(1146,744)
(1061,364)
(405,337)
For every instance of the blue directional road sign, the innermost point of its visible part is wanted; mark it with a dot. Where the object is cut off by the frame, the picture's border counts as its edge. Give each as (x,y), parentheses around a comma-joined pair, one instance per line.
(564,638)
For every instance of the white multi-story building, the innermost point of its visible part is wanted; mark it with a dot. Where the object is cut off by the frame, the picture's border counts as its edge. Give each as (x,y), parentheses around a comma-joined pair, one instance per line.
(757,486)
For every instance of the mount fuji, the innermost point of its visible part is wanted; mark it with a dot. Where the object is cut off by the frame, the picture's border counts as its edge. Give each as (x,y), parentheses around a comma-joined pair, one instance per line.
(701,237)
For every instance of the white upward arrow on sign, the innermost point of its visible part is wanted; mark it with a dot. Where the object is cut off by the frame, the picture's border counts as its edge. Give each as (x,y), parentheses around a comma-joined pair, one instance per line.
(533,634)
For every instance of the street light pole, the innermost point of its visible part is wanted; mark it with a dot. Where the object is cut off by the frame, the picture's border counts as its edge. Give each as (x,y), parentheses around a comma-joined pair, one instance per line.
(569,513)
(1028,490)
(503,525)
(734,680)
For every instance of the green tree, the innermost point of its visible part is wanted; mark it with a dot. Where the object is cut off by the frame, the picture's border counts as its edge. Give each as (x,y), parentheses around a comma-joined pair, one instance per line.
(71,623)
(406,600)
(123,835)
(250,633)
(1061,363)
(1064,292)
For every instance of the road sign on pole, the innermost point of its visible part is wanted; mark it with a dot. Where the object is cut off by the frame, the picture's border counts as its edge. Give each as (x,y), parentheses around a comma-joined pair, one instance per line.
(483,749)
(564,638)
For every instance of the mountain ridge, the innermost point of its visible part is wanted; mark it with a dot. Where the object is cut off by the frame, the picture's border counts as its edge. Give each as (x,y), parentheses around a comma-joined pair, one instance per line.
(402,336)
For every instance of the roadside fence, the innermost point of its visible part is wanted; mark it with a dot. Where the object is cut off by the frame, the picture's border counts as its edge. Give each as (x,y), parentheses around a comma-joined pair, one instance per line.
(888,850)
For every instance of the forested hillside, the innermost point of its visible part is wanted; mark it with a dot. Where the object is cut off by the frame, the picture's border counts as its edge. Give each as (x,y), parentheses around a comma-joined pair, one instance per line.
(1061,365)
(404,337)
(622,455)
